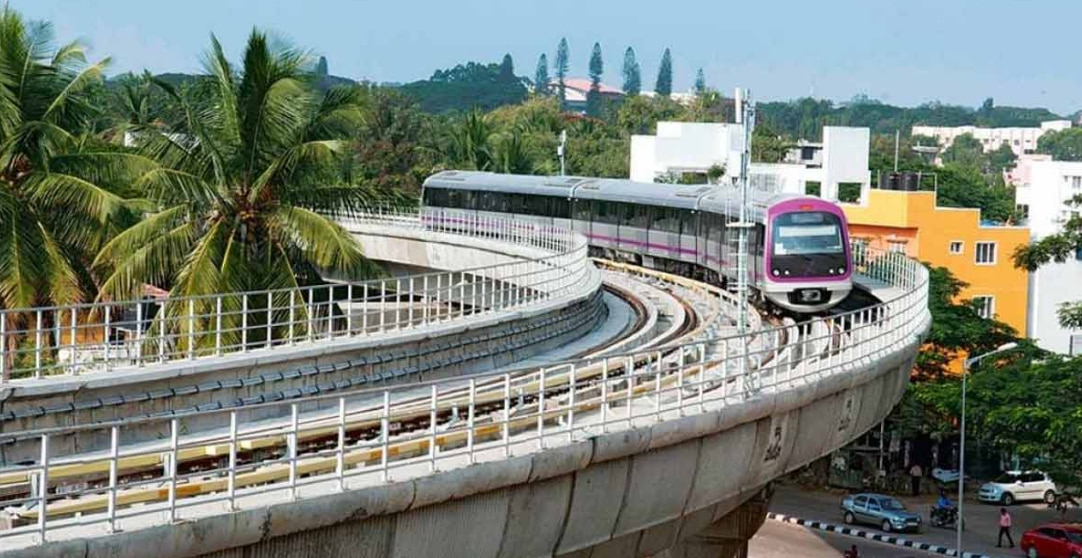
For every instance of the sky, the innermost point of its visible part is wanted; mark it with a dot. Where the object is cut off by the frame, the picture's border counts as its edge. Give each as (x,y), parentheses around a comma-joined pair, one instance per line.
(1020,52)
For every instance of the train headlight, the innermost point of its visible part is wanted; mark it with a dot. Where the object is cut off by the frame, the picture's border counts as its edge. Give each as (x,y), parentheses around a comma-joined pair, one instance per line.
(787,272)
(841,270)
(776,273)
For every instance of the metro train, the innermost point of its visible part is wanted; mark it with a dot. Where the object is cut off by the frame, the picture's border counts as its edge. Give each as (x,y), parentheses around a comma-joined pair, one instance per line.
(799,258)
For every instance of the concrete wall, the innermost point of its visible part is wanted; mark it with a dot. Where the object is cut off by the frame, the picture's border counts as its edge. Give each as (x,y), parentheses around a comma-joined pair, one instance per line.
(629,493)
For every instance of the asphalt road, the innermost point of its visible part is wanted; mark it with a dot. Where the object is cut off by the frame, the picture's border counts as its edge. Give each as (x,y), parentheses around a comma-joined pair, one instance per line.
(781,540)
(981,519)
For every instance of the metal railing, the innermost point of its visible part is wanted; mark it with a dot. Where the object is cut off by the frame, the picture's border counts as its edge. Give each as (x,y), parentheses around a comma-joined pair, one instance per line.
(335,443)
(103,336)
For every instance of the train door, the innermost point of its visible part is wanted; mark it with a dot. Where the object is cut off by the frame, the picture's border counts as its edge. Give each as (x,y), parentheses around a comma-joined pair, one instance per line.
(634,231)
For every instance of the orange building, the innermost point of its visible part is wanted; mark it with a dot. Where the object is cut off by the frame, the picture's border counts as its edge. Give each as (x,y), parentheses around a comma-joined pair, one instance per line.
(954,238)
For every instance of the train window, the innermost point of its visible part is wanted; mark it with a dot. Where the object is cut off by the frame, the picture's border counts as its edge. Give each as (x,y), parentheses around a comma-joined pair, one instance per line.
(807,233)
(584,211)
(468,199)
(561,208)
(454,199)
(607,212)
(684,221)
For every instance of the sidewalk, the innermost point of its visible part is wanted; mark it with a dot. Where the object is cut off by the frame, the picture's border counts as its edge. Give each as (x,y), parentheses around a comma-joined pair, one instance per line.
(981,519)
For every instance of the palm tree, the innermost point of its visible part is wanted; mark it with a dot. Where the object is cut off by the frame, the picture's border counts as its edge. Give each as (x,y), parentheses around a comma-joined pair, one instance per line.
(244,185)
(469,146)
(60,190)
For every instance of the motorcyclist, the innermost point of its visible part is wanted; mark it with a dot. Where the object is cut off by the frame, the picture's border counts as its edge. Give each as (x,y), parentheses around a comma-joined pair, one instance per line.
(944,502)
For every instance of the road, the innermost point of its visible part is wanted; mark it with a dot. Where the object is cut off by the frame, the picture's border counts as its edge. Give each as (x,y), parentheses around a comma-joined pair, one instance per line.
(781,540)
(981,519)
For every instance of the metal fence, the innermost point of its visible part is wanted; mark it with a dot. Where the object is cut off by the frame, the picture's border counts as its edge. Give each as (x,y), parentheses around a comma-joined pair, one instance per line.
(336,443)
(103,336)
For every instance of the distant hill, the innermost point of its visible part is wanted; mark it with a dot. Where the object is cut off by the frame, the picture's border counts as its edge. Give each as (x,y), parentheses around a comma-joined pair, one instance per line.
(805,118)
(322,83)
(473,85)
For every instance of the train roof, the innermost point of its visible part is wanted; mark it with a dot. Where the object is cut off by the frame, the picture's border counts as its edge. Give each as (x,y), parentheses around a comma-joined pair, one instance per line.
(510,183)
(646,193)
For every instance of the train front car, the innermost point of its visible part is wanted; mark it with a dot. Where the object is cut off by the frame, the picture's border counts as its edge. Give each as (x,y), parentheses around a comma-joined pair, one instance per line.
(807,265)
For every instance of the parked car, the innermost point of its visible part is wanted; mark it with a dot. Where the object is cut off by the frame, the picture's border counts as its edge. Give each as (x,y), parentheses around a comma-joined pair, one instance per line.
(1053,541)
(1016,486)
(884,511)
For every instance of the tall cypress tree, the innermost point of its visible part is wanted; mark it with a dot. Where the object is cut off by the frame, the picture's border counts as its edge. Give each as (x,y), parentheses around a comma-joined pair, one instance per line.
(562,54)
(632,77)
(541,76)
(507,68)
(321,67)
(597,67)
(700,82)
(663,86)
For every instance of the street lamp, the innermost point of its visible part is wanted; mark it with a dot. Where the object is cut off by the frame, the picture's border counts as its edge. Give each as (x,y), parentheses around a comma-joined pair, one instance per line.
(962,444)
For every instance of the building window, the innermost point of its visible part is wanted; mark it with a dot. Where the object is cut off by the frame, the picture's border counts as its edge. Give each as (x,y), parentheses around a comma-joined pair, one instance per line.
(956,247)
(986,306)
(896,246)
(986,253)
(1076,182)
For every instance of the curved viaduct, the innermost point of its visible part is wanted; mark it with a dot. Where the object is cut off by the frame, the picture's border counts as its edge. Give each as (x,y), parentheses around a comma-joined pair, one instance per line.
(664,452)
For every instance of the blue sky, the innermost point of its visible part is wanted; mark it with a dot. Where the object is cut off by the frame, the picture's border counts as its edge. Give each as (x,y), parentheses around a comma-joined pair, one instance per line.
(1021,52)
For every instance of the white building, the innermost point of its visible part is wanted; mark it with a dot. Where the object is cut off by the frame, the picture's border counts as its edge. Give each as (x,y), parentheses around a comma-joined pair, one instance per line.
(1051,184)
(1021,140)
(695,147)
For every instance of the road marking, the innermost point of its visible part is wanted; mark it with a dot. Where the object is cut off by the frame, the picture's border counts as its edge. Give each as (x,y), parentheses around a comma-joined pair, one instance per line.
(879,537)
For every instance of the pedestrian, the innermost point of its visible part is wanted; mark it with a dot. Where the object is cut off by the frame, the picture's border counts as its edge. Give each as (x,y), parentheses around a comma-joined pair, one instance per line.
(1004,528)
(915,474)
(851,553)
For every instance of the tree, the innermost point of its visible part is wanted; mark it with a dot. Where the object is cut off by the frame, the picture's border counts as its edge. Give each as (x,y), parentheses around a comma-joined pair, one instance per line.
(700,82)
(965,151)
(61,193)
(632,74)
(242,192)
(541,76)
(1059,247)
(999,160)
(562,61)
(767,146)
(963,186)
(507,68)
(469,145)
(663,86)
(1062,145)
(321,67)
(593,97)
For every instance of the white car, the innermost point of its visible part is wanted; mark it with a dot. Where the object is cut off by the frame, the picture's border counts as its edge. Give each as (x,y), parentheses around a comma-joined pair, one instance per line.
(1014,486)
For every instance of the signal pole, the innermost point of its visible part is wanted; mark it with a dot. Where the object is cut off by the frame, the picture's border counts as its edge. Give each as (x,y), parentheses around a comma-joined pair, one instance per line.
(745,115)
(560,151)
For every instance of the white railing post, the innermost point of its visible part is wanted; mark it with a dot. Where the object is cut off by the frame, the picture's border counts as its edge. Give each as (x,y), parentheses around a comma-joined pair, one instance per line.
(605,395)
(340,453)
(292,335)
(571,405)
(385,437)
(37,345)
(541,411)
(382,305)
(349,310)
(174,433)
(270,318)
(191,328)
(231,482)
(218,325)
(73,341)
(433,409)
(630,375)
(702,377)
(43,488)
(114,455)
(311,318)
(470,413)
(506,415)
(293,441)
(244,323)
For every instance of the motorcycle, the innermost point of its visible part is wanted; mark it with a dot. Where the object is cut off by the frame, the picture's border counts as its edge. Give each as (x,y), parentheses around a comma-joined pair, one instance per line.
(945,517)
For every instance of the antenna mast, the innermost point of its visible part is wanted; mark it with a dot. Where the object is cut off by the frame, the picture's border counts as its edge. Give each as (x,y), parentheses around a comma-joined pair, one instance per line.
(560,151)
(745,115)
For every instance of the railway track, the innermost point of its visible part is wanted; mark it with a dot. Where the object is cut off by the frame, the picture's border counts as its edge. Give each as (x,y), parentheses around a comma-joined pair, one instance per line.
(373,433)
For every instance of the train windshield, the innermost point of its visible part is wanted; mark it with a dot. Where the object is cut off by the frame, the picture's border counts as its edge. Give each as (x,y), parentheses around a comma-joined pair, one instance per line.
(811,232)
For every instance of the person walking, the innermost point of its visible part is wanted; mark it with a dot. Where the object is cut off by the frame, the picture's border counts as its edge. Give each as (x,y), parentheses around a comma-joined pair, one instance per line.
(915,474)
(1004,528)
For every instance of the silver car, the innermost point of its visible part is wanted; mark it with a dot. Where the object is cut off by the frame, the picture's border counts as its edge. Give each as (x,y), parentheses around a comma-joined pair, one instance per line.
(877,509)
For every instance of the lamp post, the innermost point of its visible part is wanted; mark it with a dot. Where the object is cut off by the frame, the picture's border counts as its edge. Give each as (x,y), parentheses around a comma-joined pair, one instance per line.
(962,439)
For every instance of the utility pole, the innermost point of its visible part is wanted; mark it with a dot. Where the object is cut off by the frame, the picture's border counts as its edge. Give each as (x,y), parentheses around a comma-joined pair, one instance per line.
(745,111)
(560,149)
(897,139)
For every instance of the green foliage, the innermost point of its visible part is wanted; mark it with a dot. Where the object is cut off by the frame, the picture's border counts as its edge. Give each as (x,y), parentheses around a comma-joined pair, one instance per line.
(593,97)
(632,73)
(391,152)
(957,329)
(965,151)
(563,59)
(541,76)
(767,146)
(960,186)
(473,85)
(241,190)
(708,106)
(663,85)
(1062,145)
(62,192)
(322,70)
(640,115)
(1060,247)
(700,82)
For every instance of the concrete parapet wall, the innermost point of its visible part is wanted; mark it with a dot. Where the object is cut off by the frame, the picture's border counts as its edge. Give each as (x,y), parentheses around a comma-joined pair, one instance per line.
(627,493)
